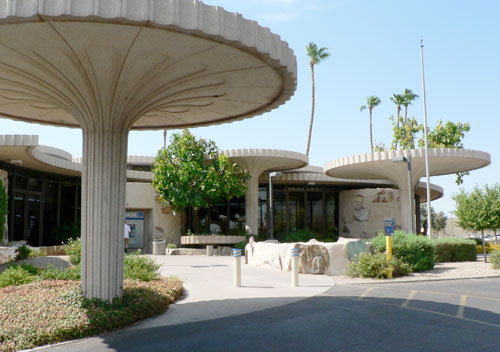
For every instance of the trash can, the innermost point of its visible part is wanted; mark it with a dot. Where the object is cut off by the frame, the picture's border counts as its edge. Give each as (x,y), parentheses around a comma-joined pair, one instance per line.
(159,247)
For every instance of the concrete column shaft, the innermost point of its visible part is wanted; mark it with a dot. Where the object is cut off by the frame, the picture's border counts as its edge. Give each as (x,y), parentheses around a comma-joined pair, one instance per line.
(103,212)
(404,196)
(252,205)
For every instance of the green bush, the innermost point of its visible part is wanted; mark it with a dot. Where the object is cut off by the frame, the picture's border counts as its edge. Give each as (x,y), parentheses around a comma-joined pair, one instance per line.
(73,248)
(171,245)
(306,235)
(138,267)
(15,275)
(23,252)
(455,250)
(51,273)
(495,259)
(417,251)
(375,265)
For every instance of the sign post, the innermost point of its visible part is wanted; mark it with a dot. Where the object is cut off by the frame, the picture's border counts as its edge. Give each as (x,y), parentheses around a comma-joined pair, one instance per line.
(389,232)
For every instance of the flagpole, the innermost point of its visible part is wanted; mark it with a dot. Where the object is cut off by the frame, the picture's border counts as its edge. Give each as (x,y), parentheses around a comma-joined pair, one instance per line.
(429,214)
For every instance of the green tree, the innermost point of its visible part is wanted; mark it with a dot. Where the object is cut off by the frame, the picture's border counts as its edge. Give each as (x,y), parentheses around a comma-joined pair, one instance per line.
(448,136)
(398,99)
(371,102)
(191,172)
(3,209)
(478,210)
(408,97)
(438,220)
(316,55)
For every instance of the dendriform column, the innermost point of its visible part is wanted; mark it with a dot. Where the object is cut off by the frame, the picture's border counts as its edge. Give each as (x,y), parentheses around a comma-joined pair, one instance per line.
(252,204)
(103,211)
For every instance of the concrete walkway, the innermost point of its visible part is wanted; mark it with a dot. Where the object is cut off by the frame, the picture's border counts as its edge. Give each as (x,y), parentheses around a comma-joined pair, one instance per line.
(209,292)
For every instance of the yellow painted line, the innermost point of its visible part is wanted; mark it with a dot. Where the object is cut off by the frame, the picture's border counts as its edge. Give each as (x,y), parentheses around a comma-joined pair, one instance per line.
(363,295)
(461,307)
(428,311)
(423,291)
(408,300)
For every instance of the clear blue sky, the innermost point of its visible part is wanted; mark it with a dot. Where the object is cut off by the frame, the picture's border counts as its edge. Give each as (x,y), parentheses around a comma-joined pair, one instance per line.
(375,51)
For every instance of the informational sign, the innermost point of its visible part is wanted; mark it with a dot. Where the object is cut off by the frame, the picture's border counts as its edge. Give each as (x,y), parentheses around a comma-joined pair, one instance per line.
(389,226)
(135,219)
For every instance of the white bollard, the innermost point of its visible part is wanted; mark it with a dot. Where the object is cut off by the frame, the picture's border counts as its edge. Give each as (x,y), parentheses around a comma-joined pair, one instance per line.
(237,267)
(294,253)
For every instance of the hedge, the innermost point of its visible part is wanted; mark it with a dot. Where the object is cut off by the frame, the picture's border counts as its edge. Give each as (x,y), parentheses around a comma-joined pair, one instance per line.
(455,250)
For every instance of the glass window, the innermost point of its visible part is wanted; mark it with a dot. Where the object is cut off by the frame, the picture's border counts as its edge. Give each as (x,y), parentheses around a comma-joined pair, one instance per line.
(34,219)
(18,226)
(21,182)
(50,199)
(34,185)
(331,212)
(315,211)
(279,213)
(237,216)
(67,221)
(218,218)
(262,212)
(296,205)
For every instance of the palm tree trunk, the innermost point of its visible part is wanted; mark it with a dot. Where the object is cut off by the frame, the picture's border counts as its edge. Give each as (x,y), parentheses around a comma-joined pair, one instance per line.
(312,111)
(371,134)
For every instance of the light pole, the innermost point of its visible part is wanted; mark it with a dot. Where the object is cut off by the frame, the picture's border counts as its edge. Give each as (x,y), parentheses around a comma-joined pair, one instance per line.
(271,175)
(407,160)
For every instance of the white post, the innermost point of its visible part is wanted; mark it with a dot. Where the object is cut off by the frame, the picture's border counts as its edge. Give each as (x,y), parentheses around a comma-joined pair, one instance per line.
(429,214)
(294,253)
(237,267)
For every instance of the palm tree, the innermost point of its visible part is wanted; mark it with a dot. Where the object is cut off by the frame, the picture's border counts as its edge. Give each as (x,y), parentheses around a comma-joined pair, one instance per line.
(399,100)
(409,96)
(371,101)
(316,55)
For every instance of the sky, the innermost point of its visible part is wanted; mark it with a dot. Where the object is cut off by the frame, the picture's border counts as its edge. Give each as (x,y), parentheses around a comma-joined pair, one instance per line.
(375,50)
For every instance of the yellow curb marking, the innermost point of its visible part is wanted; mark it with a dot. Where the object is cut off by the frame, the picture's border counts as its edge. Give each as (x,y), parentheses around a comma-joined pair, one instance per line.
(363,295)
(408,300)
(461,307)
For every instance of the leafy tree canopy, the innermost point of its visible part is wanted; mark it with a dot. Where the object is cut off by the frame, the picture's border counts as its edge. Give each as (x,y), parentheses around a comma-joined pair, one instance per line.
(478,210)
(192,172)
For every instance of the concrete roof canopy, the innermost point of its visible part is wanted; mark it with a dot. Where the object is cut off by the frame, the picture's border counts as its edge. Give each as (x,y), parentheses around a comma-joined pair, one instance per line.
(111,66)
(442,161)
(257,161)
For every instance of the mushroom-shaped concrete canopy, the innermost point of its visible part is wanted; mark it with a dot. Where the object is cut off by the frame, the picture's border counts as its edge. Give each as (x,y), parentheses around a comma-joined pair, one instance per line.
(111,66)
(437,192)
(442,161)
(257,161)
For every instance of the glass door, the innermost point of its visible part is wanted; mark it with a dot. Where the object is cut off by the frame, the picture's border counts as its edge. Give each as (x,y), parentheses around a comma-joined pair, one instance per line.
(33,226)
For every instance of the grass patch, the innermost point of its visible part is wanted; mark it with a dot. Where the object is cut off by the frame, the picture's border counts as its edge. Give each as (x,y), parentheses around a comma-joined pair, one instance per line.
(45,312)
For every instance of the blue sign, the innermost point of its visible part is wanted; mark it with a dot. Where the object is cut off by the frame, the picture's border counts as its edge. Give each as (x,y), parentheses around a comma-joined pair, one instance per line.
(389,226)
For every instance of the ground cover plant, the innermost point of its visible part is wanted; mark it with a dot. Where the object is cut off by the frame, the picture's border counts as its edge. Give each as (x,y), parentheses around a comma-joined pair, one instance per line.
(58,312)
(417,251)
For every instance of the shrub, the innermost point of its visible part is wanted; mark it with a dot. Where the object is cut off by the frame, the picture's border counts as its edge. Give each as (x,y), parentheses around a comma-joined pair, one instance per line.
(417,251)
(74,249)
(23,252)
(376,265)
(455,250)
(495,259)
(171,245)
(51,273)
(37,253)
(15,275)
(487,248)
(306,235)
(138,267)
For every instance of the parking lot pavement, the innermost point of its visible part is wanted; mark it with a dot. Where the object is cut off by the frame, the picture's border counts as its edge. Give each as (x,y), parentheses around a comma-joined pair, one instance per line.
(474,300)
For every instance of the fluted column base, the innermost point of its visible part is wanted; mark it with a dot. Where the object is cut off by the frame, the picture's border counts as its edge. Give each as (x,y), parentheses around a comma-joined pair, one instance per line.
(103,212)
(252,205)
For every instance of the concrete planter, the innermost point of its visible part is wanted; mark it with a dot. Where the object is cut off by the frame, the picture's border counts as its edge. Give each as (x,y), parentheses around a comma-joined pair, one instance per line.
(213,240)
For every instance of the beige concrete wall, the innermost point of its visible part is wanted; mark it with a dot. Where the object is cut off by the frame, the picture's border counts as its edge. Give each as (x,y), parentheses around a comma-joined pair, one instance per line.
(362,211)
(160,223)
